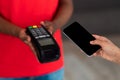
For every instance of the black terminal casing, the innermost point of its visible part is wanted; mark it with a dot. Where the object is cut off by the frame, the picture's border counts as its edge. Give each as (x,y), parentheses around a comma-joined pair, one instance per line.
(46,47)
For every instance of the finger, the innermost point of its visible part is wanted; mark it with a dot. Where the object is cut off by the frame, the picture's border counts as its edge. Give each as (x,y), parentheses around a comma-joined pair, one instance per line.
(95,54)
(27,39)
(95,35)
(100,37)
(42,23)
(45,23)
(96,42)
(51,30)
(48,26)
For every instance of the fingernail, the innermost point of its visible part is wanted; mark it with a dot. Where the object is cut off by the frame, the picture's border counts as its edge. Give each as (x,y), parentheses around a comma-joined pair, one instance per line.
(42,22)
(91,42)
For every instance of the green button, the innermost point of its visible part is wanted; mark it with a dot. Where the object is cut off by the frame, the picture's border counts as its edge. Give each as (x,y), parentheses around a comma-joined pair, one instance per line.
(30,27)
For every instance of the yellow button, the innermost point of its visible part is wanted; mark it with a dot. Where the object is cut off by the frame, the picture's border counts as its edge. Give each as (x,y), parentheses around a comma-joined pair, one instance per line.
(34,26)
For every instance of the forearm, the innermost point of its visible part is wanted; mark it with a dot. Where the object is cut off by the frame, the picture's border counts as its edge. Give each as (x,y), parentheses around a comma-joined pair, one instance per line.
(63,14)
(9,28)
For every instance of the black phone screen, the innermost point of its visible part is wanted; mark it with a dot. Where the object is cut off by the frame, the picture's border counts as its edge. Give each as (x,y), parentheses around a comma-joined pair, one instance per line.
(81,37)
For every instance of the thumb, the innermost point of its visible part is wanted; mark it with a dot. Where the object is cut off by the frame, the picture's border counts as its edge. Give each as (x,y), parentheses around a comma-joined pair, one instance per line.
(42,23)
(45,23)
(27,39)
(96,42)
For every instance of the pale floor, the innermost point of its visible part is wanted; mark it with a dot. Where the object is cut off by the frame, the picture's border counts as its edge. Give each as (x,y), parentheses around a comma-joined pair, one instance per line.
(80,67)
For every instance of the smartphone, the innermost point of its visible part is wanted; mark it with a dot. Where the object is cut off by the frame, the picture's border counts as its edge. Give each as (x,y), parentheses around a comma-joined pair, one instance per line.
(81,37)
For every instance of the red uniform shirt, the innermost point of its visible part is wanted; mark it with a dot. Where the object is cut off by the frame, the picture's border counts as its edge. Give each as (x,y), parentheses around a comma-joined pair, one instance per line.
(16,58)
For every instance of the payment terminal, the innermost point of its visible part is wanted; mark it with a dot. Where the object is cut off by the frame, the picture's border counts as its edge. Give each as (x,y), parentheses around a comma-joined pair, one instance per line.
(45,45)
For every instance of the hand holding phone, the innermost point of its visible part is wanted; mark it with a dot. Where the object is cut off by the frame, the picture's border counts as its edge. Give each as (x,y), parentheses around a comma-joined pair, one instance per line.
(81,37)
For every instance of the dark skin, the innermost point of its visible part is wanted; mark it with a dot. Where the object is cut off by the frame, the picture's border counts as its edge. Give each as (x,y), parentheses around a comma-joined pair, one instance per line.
(63,14)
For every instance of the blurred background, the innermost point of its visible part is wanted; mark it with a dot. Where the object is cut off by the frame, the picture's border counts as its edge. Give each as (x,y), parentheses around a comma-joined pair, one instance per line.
(100,17)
